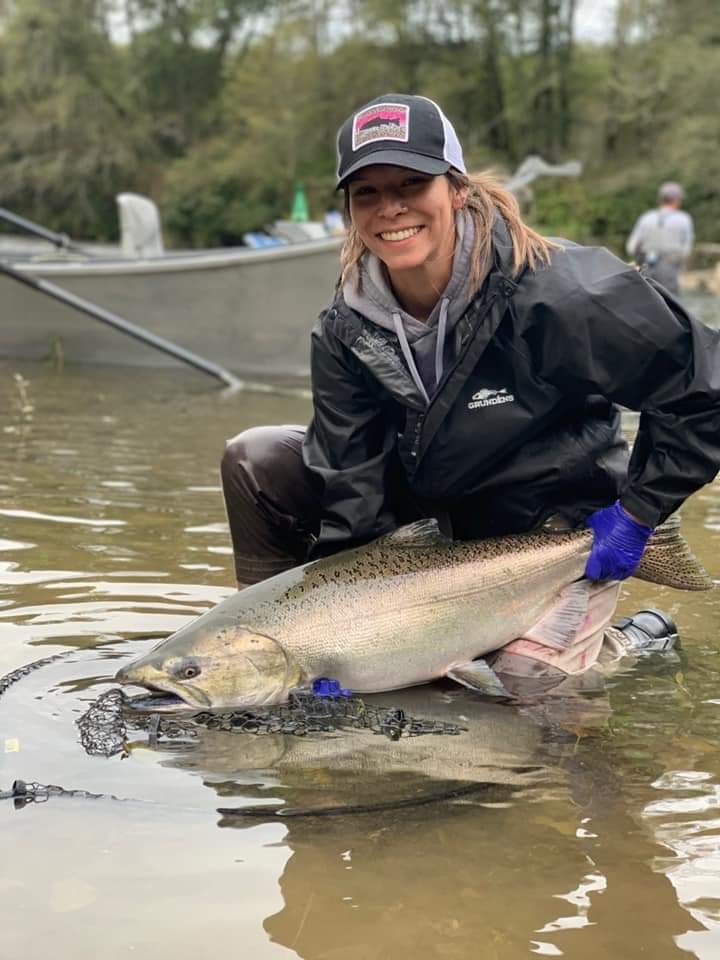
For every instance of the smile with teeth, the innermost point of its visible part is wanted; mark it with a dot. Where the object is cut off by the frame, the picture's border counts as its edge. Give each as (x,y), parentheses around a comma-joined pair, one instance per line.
(395,235)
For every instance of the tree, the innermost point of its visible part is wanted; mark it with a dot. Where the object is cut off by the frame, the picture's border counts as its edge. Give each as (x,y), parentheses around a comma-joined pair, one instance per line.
(70,140)
(178,54)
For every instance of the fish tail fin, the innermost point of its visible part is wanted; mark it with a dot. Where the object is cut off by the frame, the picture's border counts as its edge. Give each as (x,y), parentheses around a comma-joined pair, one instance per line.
(668,560)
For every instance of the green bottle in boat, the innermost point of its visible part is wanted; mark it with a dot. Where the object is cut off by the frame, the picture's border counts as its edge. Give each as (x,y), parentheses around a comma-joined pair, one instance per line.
(300,212)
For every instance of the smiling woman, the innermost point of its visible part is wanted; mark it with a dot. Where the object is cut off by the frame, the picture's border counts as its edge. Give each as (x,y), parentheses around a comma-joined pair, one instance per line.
(407,220)
(469,369)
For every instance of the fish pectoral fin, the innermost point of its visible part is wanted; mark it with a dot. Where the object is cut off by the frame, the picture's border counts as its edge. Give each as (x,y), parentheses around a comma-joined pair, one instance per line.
(478,675)
(561,625)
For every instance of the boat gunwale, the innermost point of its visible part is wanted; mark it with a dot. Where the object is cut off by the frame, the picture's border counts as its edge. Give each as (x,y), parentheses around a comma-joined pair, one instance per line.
(173,262)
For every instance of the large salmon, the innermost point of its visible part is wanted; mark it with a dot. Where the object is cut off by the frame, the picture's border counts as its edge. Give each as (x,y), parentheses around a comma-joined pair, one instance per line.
(405,609)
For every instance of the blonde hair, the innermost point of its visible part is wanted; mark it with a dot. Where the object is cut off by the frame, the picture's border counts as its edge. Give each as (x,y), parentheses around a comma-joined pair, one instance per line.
(486,198)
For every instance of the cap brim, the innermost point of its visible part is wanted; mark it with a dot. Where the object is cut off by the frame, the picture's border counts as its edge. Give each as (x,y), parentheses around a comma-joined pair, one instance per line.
(397,158)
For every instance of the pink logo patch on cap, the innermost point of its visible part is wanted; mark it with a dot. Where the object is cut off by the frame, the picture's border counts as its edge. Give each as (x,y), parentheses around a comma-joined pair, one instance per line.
(381,121)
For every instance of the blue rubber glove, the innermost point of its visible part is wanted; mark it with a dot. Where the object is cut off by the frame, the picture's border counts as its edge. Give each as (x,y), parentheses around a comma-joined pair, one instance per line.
(327,687)
(618,543)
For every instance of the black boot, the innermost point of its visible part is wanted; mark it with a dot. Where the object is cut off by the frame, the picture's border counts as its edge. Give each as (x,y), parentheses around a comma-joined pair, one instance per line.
(649,631)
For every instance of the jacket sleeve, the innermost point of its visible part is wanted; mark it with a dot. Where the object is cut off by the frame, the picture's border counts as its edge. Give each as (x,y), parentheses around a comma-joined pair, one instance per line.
(606,329)
(347,447)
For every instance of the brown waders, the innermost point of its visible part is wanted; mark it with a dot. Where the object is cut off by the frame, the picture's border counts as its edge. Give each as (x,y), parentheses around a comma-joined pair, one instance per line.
(272,503)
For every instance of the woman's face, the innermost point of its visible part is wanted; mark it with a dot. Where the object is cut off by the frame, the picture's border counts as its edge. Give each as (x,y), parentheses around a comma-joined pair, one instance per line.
(405,218)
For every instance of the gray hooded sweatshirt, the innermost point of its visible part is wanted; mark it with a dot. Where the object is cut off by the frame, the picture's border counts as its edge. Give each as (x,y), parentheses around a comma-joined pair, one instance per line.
(424,343)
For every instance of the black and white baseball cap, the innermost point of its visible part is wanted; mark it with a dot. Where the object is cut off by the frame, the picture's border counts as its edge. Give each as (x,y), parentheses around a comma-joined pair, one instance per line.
(399,130)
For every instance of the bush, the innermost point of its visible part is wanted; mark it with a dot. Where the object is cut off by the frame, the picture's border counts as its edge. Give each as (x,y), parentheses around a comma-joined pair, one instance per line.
(587,212)
(216,194)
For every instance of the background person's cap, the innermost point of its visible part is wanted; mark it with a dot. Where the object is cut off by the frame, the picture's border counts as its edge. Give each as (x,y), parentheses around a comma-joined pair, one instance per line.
(670,191)
(399,130)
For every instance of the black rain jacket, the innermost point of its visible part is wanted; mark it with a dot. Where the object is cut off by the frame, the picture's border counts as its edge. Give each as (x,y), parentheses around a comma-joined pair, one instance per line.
(524,423)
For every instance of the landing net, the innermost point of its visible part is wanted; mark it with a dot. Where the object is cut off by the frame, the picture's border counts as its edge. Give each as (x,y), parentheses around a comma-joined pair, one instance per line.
(104,725)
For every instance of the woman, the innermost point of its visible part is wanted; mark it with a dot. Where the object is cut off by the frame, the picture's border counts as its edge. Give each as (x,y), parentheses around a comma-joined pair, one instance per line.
(468,369)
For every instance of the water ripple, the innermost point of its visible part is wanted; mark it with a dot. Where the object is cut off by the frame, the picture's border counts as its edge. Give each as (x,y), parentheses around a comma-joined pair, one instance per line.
(694,867)
(56,518)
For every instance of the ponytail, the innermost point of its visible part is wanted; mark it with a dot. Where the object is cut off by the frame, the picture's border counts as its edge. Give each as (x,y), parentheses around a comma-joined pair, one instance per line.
(486,199)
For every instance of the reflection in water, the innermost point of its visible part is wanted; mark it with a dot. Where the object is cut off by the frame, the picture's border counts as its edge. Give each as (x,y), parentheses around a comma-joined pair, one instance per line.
(351,769)
(694,871)
(594,830)
(580,899)
(468,880)
(34,515)
(436,880)
(662,720)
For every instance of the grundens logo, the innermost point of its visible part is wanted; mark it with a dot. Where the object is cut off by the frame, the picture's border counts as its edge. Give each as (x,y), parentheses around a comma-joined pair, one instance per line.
(490,398)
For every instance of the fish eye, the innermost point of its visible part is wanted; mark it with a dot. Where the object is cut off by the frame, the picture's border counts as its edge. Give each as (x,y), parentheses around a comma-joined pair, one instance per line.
(187,671)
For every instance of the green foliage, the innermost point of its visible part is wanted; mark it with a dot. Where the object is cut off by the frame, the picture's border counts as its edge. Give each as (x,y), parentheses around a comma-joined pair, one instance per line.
(174,85)
(589,211)
(68,144)
(215,195)
(580,211)
(216,108)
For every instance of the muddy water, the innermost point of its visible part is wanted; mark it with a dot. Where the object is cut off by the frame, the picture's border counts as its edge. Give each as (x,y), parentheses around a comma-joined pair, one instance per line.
(590,828)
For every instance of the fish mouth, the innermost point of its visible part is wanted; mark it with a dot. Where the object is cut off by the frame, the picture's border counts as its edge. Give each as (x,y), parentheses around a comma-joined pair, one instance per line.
(158,701)
(158,698)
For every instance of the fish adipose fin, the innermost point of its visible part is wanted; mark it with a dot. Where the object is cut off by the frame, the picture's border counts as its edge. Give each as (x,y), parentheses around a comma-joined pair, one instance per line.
(668,560)
(478,675)
(422,533)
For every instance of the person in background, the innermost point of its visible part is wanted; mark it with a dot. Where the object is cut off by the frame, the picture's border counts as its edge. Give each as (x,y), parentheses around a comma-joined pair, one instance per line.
(470,370)
(662,239)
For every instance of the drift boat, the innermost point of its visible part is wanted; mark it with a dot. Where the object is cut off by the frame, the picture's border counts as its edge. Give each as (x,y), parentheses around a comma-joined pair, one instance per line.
(249,309)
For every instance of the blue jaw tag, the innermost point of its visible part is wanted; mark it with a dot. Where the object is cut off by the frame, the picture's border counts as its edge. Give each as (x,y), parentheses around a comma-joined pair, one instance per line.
(327,687)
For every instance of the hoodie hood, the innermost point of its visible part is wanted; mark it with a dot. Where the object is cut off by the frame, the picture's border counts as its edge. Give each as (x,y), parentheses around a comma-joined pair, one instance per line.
(423,343)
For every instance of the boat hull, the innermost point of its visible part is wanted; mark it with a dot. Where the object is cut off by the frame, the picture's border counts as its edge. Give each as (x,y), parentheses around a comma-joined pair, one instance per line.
(248,310)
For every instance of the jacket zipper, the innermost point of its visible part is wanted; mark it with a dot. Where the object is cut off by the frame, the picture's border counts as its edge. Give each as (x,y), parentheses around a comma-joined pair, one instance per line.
(420,422)
(418,431)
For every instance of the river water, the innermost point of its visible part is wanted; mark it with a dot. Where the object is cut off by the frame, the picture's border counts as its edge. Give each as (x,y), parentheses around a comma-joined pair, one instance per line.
(592,828)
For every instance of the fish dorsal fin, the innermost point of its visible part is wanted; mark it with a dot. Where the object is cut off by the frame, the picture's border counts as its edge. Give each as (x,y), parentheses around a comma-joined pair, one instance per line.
(421,533)
(561,624)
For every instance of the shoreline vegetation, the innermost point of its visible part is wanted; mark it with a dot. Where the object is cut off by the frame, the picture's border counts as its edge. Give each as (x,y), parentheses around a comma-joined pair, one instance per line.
(217,109)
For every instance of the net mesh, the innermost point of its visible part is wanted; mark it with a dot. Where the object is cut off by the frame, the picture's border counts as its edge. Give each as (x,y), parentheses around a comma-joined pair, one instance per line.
(104,725)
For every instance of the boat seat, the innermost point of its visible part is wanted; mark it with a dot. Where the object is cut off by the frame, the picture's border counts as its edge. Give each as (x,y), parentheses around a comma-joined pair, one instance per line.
(140,232)
(296,232)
